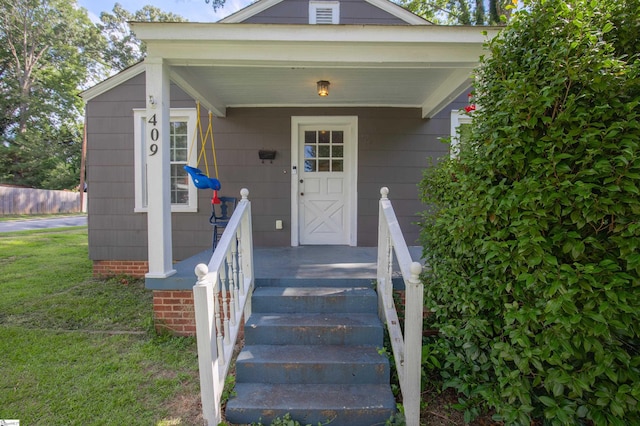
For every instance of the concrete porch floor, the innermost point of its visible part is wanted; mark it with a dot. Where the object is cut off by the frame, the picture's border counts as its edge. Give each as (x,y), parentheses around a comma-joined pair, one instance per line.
(302,262)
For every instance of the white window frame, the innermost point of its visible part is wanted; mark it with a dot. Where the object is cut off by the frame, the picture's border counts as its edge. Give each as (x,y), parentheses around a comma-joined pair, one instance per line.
(458,117)
(140,121)
(333,5)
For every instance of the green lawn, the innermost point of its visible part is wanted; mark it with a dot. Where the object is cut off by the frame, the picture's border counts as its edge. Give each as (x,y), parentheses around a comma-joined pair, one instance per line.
(81,351)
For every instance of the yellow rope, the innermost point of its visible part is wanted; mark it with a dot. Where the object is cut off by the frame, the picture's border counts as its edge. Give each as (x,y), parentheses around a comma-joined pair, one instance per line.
(203,140)
(213,144)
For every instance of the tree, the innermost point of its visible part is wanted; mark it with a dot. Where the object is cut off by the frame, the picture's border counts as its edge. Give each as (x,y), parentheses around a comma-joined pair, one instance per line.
(48,48)
(124,49)
(461,12)
(533,232)
(216,4)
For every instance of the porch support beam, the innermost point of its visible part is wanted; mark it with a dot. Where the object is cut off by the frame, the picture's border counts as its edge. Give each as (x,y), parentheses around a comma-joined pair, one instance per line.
(158,169)
(456,84)
(194,88)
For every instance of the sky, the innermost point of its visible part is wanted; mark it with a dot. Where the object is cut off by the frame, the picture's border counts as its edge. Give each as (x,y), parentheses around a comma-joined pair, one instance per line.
(193,10)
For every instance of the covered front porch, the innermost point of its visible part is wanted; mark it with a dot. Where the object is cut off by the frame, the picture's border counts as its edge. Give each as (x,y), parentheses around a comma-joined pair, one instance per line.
(231,69)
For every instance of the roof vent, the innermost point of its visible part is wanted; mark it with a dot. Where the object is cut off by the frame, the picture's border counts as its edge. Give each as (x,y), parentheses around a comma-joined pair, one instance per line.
(324,12)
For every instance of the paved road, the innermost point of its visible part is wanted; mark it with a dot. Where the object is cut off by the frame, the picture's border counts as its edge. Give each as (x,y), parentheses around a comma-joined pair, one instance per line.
(59,222)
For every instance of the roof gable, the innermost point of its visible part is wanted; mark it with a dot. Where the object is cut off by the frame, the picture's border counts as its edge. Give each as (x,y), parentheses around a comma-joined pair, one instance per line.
(113,81)
(354,12)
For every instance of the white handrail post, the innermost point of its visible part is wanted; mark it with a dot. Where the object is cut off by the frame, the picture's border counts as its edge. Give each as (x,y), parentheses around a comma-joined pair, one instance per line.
(413,345)
(247,252)
(383,273)
(207,346)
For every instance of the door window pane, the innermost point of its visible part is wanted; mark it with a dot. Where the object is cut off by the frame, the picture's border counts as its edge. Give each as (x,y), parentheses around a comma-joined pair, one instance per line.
(309,137)
(324,136)
(324,151)
(309,151)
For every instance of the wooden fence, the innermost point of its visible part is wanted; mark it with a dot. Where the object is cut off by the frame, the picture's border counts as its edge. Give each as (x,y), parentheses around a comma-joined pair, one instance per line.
(37,201)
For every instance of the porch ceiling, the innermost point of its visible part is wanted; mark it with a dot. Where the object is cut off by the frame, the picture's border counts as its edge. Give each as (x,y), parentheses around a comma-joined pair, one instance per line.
(244,65)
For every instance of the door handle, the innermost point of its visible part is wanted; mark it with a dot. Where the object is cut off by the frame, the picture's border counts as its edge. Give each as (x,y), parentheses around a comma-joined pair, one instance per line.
(302,193)
(301,180)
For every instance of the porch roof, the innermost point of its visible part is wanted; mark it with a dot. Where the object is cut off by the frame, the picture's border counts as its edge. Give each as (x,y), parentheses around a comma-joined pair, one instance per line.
(270,65)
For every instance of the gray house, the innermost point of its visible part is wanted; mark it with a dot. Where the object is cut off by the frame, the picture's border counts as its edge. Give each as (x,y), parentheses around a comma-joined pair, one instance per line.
(395,83)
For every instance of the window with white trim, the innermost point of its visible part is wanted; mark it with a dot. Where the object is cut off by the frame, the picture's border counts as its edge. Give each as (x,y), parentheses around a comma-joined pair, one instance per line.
(182,130)
(460,128)
(324,12)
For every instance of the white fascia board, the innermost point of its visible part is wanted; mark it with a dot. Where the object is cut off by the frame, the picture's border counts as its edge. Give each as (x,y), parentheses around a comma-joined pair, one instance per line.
(168,32)
(399,12)
(113,81)
(295,45)
(249,11)
(313,54)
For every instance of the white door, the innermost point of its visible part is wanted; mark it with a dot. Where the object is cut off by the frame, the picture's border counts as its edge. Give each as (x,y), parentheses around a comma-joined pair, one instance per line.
(324,180)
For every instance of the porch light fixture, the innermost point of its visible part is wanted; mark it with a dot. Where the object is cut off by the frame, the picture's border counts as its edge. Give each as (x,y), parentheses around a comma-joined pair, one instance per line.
(323,88)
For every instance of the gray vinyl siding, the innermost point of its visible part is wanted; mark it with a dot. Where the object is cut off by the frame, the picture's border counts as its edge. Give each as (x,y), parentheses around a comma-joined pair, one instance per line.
(394,147)
(351,12)
(115,230)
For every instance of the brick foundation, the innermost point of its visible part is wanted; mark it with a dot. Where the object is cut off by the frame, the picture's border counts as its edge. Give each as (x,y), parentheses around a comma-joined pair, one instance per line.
(173,312)
(134,268)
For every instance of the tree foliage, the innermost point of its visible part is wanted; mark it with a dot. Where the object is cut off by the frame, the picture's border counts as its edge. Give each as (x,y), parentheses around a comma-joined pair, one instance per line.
(216,4)
(533,233)
(124,49)
(47,51)
(461,12)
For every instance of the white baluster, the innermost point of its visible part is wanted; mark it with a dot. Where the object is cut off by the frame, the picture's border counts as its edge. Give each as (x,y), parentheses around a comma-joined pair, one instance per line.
(243,290)
(232,282)
(216,313)
(224,274)
(236,277)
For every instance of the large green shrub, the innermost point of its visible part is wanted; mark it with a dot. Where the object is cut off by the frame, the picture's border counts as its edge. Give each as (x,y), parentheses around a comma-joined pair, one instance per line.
(533,233)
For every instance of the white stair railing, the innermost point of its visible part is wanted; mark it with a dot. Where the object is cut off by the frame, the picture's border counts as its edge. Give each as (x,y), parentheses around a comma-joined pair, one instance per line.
(222,295)
(407,349)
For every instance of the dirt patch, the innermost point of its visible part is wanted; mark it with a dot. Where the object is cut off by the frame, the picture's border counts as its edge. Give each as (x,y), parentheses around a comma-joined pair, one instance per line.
(439,411)
(186,410)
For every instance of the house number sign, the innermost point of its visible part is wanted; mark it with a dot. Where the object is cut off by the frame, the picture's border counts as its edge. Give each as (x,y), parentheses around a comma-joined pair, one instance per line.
(155,134)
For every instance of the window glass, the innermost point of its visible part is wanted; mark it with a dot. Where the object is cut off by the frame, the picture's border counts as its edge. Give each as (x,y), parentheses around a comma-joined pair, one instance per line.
(324,151)
(324,136)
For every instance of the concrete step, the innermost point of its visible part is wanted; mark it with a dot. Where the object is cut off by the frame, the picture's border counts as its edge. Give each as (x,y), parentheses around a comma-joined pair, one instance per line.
(299,364)
(314,299)
(343,405)
(313,329)
(314,282)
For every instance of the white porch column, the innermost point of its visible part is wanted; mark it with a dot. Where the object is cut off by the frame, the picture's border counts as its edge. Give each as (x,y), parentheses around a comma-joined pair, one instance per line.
(158,170)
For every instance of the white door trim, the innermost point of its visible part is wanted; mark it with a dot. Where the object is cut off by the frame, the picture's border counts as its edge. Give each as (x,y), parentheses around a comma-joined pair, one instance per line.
(352,171)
